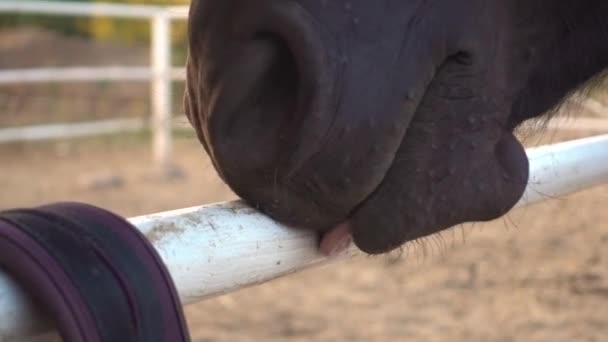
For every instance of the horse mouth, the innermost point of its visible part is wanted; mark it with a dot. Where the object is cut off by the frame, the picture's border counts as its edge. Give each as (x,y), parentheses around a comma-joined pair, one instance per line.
(509,164)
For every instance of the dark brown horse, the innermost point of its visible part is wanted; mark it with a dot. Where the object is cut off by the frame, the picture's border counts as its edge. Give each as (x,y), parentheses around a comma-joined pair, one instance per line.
(388,119)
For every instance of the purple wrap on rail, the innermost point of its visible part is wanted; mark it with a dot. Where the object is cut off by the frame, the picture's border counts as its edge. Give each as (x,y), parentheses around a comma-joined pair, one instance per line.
(93,272)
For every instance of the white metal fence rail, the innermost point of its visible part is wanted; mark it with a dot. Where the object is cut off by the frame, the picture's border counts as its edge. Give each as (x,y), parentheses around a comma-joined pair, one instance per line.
(160,73)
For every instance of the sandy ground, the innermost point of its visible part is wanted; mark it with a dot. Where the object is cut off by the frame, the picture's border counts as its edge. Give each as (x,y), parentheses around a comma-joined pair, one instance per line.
(541,274)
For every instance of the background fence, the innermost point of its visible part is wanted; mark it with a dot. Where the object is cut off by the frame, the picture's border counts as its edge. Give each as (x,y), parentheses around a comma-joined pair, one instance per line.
(159,73)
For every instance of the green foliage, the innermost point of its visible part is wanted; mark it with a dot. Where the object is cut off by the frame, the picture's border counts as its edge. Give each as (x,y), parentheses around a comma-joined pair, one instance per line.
(133,30)
(64,24)
(139,31)
(104,28)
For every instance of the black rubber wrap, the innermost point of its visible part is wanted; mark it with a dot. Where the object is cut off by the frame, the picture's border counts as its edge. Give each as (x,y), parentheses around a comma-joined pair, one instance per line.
(96,275)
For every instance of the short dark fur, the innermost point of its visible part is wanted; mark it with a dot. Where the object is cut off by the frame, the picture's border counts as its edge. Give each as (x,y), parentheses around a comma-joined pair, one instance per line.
(394,115)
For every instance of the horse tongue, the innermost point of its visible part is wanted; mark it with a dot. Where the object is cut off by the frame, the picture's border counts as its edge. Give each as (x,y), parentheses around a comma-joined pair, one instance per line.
(337,240)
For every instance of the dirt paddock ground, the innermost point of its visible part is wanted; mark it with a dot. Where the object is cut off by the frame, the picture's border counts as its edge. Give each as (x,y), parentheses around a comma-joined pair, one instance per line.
(541,274)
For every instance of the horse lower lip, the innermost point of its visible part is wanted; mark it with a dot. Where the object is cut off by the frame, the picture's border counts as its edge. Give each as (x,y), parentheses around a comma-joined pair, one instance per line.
(512,157)
(336,239)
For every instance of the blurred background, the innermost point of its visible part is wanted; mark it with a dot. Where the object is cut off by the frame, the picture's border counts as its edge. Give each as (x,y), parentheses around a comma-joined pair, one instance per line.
(90,110)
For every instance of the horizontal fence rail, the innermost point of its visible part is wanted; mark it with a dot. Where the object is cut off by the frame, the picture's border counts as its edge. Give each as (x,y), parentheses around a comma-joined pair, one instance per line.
(216,249)
(92,9)
(71,130)
(85,74)
(80,129)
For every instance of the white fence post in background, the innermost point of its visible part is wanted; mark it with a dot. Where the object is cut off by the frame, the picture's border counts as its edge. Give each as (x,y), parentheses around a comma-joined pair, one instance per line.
(161,94)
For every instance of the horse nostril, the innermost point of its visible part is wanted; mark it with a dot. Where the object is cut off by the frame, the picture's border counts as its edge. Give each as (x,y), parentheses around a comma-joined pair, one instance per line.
(280,84)
(254,102)
(272,83)
(285,66)
(262,89)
